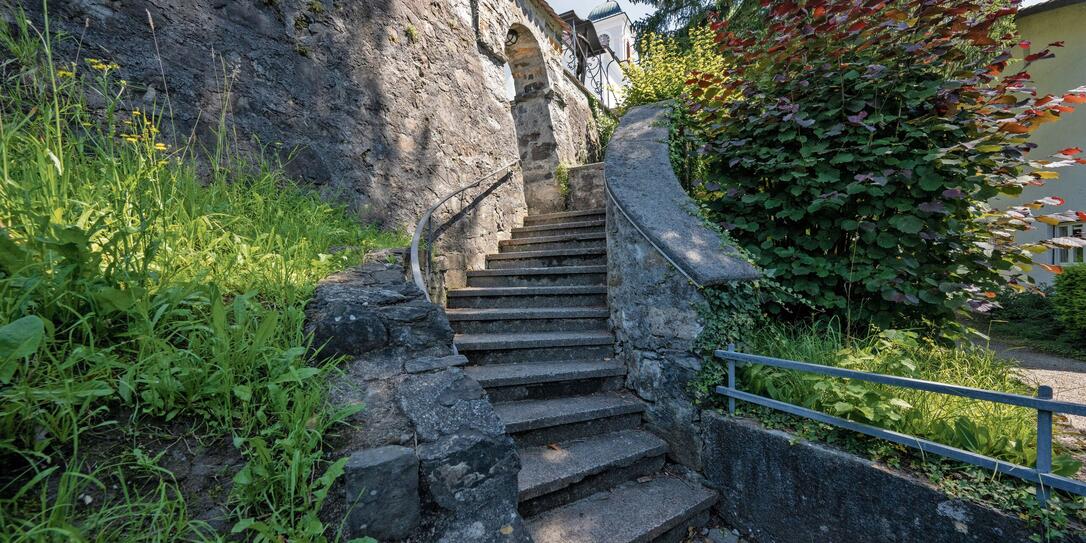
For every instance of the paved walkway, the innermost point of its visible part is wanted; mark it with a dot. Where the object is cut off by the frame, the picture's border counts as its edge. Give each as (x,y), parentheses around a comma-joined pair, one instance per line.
(1066,376)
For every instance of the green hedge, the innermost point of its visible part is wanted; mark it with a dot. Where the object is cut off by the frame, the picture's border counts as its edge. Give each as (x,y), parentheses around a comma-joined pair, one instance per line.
(1070,299)
(857,164)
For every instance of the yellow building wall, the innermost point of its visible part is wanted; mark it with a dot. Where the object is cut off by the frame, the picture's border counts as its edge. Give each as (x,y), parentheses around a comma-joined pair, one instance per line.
(1056,76)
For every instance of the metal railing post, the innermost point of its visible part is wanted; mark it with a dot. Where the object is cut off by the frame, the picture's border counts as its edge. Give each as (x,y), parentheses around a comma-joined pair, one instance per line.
(1044,443)
(731,380)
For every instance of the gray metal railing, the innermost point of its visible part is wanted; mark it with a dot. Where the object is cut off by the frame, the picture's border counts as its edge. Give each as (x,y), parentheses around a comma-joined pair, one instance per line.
(424,226)
(593,70)
(622,210)
(1043,403)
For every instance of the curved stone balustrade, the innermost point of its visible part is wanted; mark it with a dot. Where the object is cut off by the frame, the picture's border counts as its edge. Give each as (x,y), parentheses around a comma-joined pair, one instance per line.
(660,258)
(641,181)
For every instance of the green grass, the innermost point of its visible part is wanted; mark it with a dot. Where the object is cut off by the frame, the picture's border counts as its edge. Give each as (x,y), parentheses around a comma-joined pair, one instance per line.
(135,291)
(996,430)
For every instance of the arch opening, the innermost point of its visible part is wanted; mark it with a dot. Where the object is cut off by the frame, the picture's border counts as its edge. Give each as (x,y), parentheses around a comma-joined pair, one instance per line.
(530,107)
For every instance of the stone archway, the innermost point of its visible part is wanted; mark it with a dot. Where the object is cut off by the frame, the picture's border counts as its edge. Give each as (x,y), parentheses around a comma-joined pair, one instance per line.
(532,120)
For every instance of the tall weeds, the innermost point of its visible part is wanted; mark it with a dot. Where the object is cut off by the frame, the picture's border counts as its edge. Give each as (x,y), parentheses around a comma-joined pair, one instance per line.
(997,430)
(130,284)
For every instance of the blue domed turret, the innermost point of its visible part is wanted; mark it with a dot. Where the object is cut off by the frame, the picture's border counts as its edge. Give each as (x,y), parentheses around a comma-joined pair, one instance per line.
(604,11)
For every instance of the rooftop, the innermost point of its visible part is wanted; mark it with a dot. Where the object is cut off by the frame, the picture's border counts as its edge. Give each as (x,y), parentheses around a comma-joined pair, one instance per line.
(604,11)
(1030,7)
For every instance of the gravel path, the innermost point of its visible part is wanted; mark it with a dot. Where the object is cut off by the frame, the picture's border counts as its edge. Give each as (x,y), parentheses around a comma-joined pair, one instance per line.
(1066,376)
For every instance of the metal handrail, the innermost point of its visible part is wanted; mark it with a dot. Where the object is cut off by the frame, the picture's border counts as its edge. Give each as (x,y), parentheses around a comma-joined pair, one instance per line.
(1043,403)
(424,223)
(618,206)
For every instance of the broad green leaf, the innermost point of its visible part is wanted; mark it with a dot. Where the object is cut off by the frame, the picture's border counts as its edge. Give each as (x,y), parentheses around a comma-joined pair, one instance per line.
(243,393)
(907,223)
(19,339)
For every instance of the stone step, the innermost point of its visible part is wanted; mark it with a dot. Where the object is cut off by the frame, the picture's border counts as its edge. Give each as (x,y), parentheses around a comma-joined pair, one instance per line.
(531,340)
(533,347)
(593,256)
(540,354)
(658,510)
(508,297)
(557,229)
(544,380)
(545,243)
(562,473)
(541,277)
(541,422)
(539,319)
(564,216)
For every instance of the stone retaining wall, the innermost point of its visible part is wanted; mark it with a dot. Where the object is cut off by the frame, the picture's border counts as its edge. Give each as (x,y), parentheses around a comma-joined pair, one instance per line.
(429,459)
(655,273)
(779,488)
(586,187)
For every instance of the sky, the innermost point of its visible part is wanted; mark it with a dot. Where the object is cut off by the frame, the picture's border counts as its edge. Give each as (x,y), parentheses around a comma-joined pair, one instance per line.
(582,7)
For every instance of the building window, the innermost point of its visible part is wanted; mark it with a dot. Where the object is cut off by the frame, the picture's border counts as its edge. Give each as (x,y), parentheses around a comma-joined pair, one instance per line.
(1068,256)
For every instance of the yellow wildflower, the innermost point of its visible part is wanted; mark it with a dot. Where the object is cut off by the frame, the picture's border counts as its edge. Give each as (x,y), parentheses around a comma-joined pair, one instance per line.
(160,146)
(103,66)
(65,73)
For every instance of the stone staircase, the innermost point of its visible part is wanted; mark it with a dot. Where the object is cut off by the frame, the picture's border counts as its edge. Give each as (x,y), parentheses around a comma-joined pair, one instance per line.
(534,326)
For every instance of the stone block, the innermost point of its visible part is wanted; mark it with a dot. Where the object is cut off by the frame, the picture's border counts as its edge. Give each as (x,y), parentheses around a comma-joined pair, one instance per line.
(467,469)
(448,402)
(382,487)
(586,187)
(431,363)
(372,311)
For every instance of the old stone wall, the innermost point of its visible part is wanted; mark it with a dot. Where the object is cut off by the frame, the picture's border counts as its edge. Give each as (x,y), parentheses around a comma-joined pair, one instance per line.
(660,256)
(586,187)
(429,459)
(383,105)
(778,488)
(654,315)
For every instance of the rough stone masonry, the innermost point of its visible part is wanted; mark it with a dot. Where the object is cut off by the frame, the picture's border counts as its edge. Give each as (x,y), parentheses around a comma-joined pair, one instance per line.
(429,459)
(383,105)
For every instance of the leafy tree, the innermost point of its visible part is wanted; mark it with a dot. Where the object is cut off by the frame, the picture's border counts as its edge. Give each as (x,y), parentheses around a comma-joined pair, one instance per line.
(665,65)
(858,163)
(677,18)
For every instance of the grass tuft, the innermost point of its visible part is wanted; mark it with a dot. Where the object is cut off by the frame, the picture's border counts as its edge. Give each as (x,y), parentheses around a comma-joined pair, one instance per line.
(136,292)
